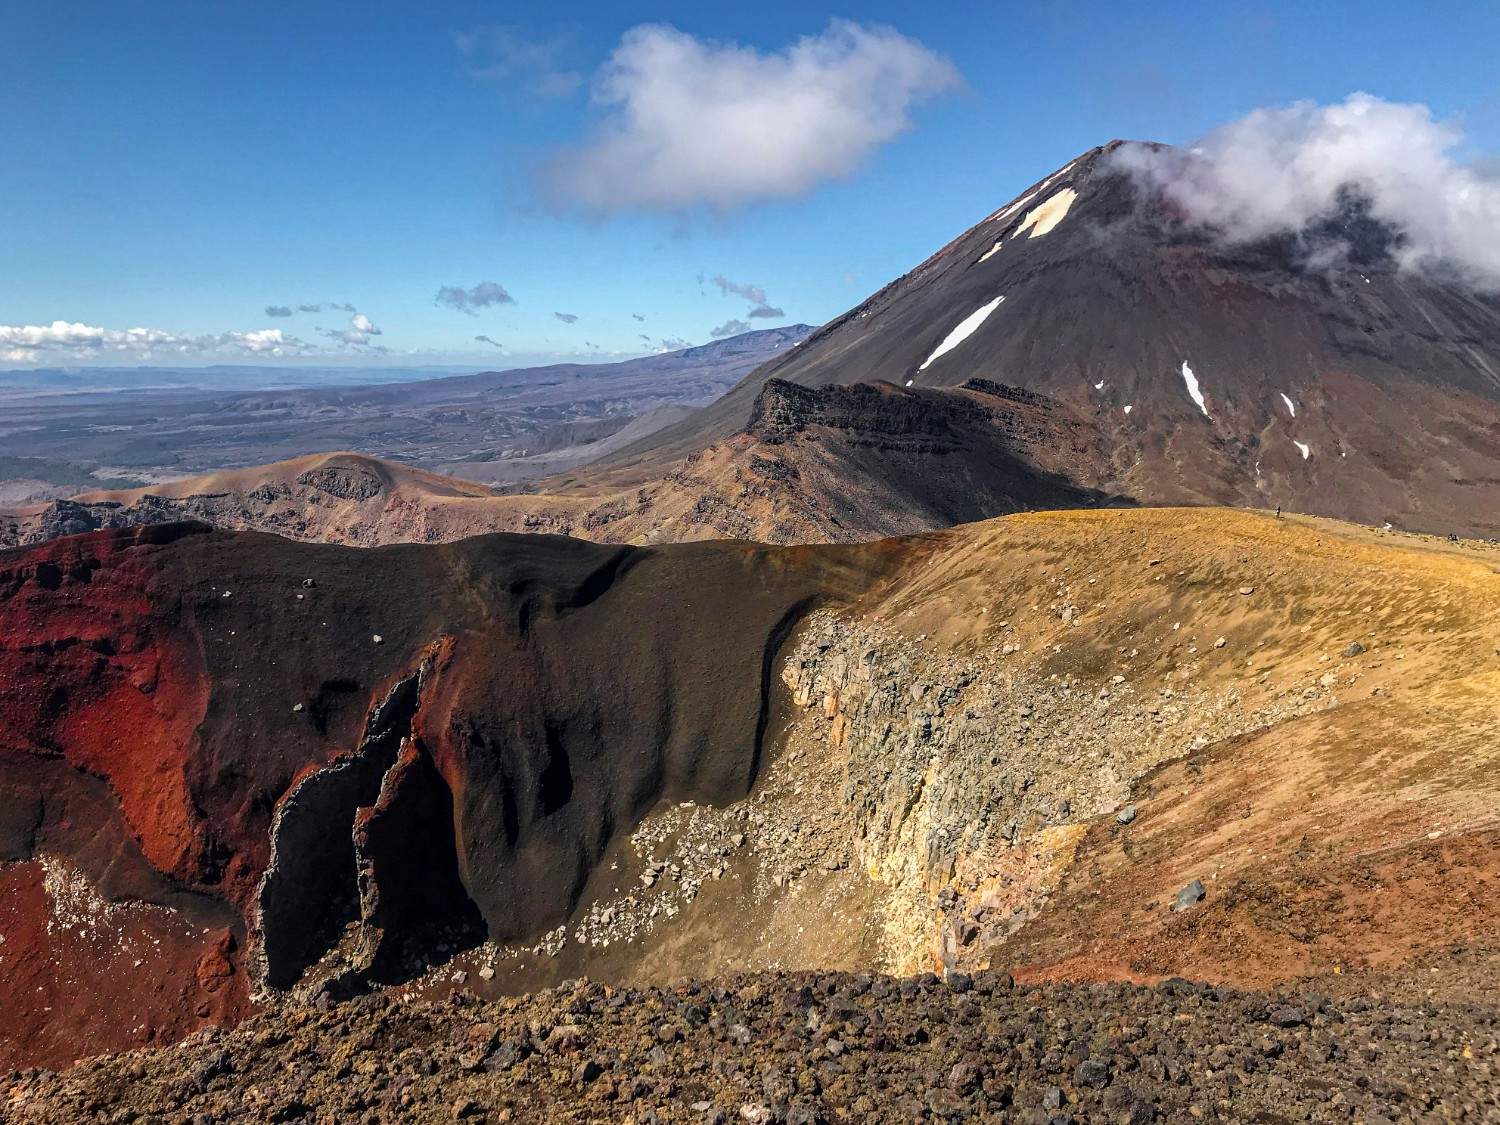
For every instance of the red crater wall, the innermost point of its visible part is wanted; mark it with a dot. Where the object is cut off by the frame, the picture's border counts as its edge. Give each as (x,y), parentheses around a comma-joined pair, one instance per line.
(215,749)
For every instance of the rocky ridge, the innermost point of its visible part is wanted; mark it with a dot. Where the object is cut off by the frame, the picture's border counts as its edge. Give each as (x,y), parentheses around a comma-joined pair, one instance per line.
(830,464)
(966,781)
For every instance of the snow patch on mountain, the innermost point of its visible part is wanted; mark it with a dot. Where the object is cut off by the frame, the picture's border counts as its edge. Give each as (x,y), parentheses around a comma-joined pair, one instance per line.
(1306,450)
(1193,390)
(1048,215)
(963,331)
(1005,212)
(1290,405)
(1012,208)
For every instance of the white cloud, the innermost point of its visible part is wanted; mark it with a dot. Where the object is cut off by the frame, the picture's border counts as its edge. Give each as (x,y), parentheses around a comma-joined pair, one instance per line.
(66,334)
(1284,169)
(760,308)
(504,53)
(694,122)
(65,341)
(271,340)
(752,293)
(356,335)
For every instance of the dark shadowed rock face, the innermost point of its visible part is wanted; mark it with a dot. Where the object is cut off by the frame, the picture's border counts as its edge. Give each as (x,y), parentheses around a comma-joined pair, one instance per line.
(263,760)
(1393,377)
(867,460)
(345,483)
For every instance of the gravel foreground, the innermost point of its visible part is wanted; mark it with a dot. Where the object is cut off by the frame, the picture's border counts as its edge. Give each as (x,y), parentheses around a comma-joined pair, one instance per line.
(809,1047)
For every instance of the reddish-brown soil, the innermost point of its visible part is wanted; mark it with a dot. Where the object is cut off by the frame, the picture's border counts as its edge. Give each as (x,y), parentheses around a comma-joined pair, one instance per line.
(83,975)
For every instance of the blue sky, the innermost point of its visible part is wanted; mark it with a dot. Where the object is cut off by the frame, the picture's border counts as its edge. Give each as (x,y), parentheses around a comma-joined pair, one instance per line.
(183,167)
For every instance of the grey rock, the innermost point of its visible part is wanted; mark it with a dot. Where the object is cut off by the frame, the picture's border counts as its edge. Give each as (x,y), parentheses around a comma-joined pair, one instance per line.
(1190,896)
(1093,1073)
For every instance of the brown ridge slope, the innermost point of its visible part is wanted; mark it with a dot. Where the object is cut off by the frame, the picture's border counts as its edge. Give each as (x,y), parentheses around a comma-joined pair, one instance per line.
(563,758)
(349,476)
(835,464)
(1336,791)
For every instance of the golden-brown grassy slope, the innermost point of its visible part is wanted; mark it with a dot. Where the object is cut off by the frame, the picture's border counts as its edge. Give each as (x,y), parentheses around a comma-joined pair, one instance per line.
(1359,832)
(1341,807)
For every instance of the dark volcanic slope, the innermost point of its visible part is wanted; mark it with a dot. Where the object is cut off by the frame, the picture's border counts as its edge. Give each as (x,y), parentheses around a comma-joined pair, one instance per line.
(301,737)
(1394,377)
(859,462)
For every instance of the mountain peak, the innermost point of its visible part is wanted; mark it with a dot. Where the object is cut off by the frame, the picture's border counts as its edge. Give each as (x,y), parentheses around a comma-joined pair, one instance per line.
(1309,352)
